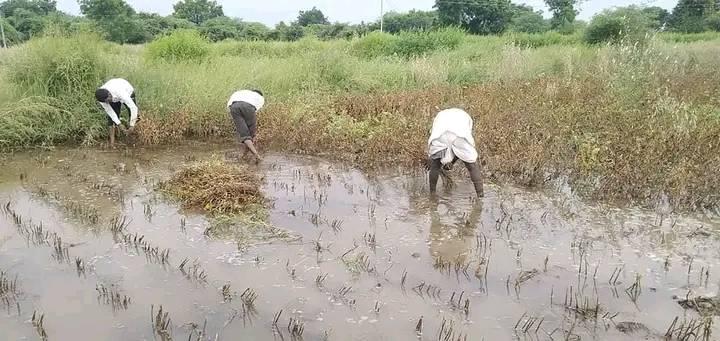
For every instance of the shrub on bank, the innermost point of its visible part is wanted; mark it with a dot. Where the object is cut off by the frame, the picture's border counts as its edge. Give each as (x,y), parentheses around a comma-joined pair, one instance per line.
(44,121)
(374,45)
(67,67)
(179,46)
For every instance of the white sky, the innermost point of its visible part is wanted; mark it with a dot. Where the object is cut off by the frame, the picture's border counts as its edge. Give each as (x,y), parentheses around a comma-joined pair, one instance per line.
(271,12)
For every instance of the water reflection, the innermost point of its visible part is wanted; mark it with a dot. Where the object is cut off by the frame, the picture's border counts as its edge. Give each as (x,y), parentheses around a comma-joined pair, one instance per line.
(453,230)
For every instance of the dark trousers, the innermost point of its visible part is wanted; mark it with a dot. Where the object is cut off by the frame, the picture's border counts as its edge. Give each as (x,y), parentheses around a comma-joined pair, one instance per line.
(474,169)
(244,116)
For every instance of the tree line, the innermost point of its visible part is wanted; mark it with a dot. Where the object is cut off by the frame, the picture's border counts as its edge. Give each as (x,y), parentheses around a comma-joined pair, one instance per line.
(119,22)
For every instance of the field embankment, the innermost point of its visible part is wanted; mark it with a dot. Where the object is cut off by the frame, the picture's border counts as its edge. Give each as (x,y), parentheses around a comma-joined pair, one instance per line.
(621,122)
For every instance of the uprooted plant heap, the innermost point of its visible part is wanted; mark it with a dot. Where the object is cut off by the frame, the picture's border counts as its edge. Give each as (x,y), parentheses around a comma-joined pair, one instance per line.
(230,194)
(217,187)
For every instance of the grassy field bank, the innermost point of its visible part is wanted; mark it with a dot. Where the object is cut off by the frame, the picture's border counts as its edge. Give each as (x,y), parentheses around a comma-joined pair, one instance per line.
(622,122)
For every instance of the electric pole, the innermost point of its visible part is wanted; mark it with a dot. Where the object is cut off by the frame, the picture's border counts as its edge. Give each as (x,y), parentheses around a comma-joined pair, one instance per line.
(382,15)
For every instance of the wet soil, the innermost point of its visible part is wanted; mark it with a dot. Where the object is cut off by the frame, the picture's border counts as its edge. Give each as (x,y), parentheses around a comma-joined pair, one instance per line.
(94,250)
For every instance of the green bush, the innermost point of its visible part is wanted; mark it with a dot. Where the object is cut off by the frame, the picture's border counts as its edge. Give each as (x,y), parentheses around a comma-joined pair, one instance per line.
(713,22)
(68,67)
(373,45)
(529,22)
(12,36)
(47,121)
(179,46)
(621,25)
(447,38)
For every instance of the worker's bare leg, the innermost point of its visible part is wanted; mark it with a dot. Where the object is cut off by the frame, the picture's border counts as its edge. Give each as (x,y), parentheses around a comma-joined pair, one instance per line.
(475,170)
(111,133)
(435,169)
(251,145)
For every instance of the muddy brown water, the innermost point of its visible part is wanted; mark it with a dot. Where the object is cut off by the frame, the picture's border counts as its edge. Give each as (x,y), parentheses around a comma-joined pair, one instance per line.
(376,256)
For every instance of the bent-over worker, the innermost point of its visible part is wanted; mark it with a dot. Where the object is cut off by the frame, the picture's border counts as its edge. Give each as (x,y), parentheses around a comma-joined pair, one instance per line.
(243,106)
(112,96)
(451,139)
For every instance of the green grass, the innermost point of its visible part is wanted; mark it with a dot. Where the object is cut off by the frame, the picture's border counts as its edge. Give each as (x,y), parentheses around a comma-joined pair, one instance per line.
(689,37)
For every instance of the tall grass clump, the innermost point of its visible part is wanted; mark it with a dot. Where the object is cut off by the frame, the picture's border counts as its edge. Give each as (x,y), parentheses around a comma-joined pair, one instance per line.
(278,49)
(374,45)
(67,67)
(55,76)
(45,121)
(407,44)
(534,40)
(622,25)
(414,44)
(179,46)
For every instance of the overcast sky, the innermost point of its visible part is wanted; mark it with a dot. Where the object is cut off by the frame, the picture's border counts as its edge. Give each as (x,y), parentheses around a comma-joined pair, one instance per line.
(271,12)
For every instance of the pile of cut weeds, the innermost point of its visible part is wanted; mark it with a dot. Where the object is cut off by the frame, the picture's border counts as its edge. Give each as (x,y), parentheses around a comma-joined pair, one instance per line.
(216,187)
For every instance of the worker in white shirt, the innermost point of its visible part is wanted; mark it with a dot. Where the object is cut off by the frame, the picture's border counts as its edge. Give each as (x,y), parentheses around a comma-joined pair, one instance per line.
(451,139)
(243,106)
(112,96)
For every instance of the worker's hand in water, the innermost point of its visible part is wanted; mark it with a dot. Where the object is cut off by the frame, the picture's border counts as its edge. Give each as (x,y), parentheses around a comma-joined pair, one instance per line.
(122,129)
(258,159)
(130,130)
(448,167)
(427,164)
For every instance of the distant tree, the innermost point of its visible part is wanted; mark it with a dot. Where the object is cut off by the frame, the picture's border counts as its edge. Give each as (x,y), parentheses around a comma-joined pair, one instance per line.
(313,16)
(658,15)
(27,23)
(221,28)
(155,24)
(411,21)
(117,19)
(101,10)
(713,22)
(39,7)
(12,36)
(62,23)
(254,31)
(623,24)
(27,17)
(691,15)
(525,19)
(198,11)
(363,28)
(331,31)
(287,32)
(126,30)
(563,13)
(476,16)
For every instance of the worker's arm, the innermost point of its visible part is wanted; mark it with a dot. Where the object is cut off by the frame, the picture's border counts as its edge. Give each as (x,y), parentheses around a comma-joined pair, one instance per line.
(111,113)
(127,100)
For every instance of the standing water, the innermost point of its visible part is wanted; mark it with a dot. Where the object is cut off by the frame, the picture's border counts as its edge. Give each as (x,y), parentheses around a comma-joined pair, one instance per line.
(90,251)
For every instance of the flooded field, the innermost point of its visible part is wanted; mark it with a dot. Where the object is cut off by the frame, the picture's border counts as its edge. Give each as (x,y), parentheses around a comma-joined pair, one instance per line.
(90,251)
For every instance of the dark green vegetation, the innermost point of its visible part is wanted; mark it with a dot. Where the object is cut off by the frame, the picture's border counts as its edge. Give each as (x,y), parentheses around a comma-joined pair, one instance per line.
(119,22)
